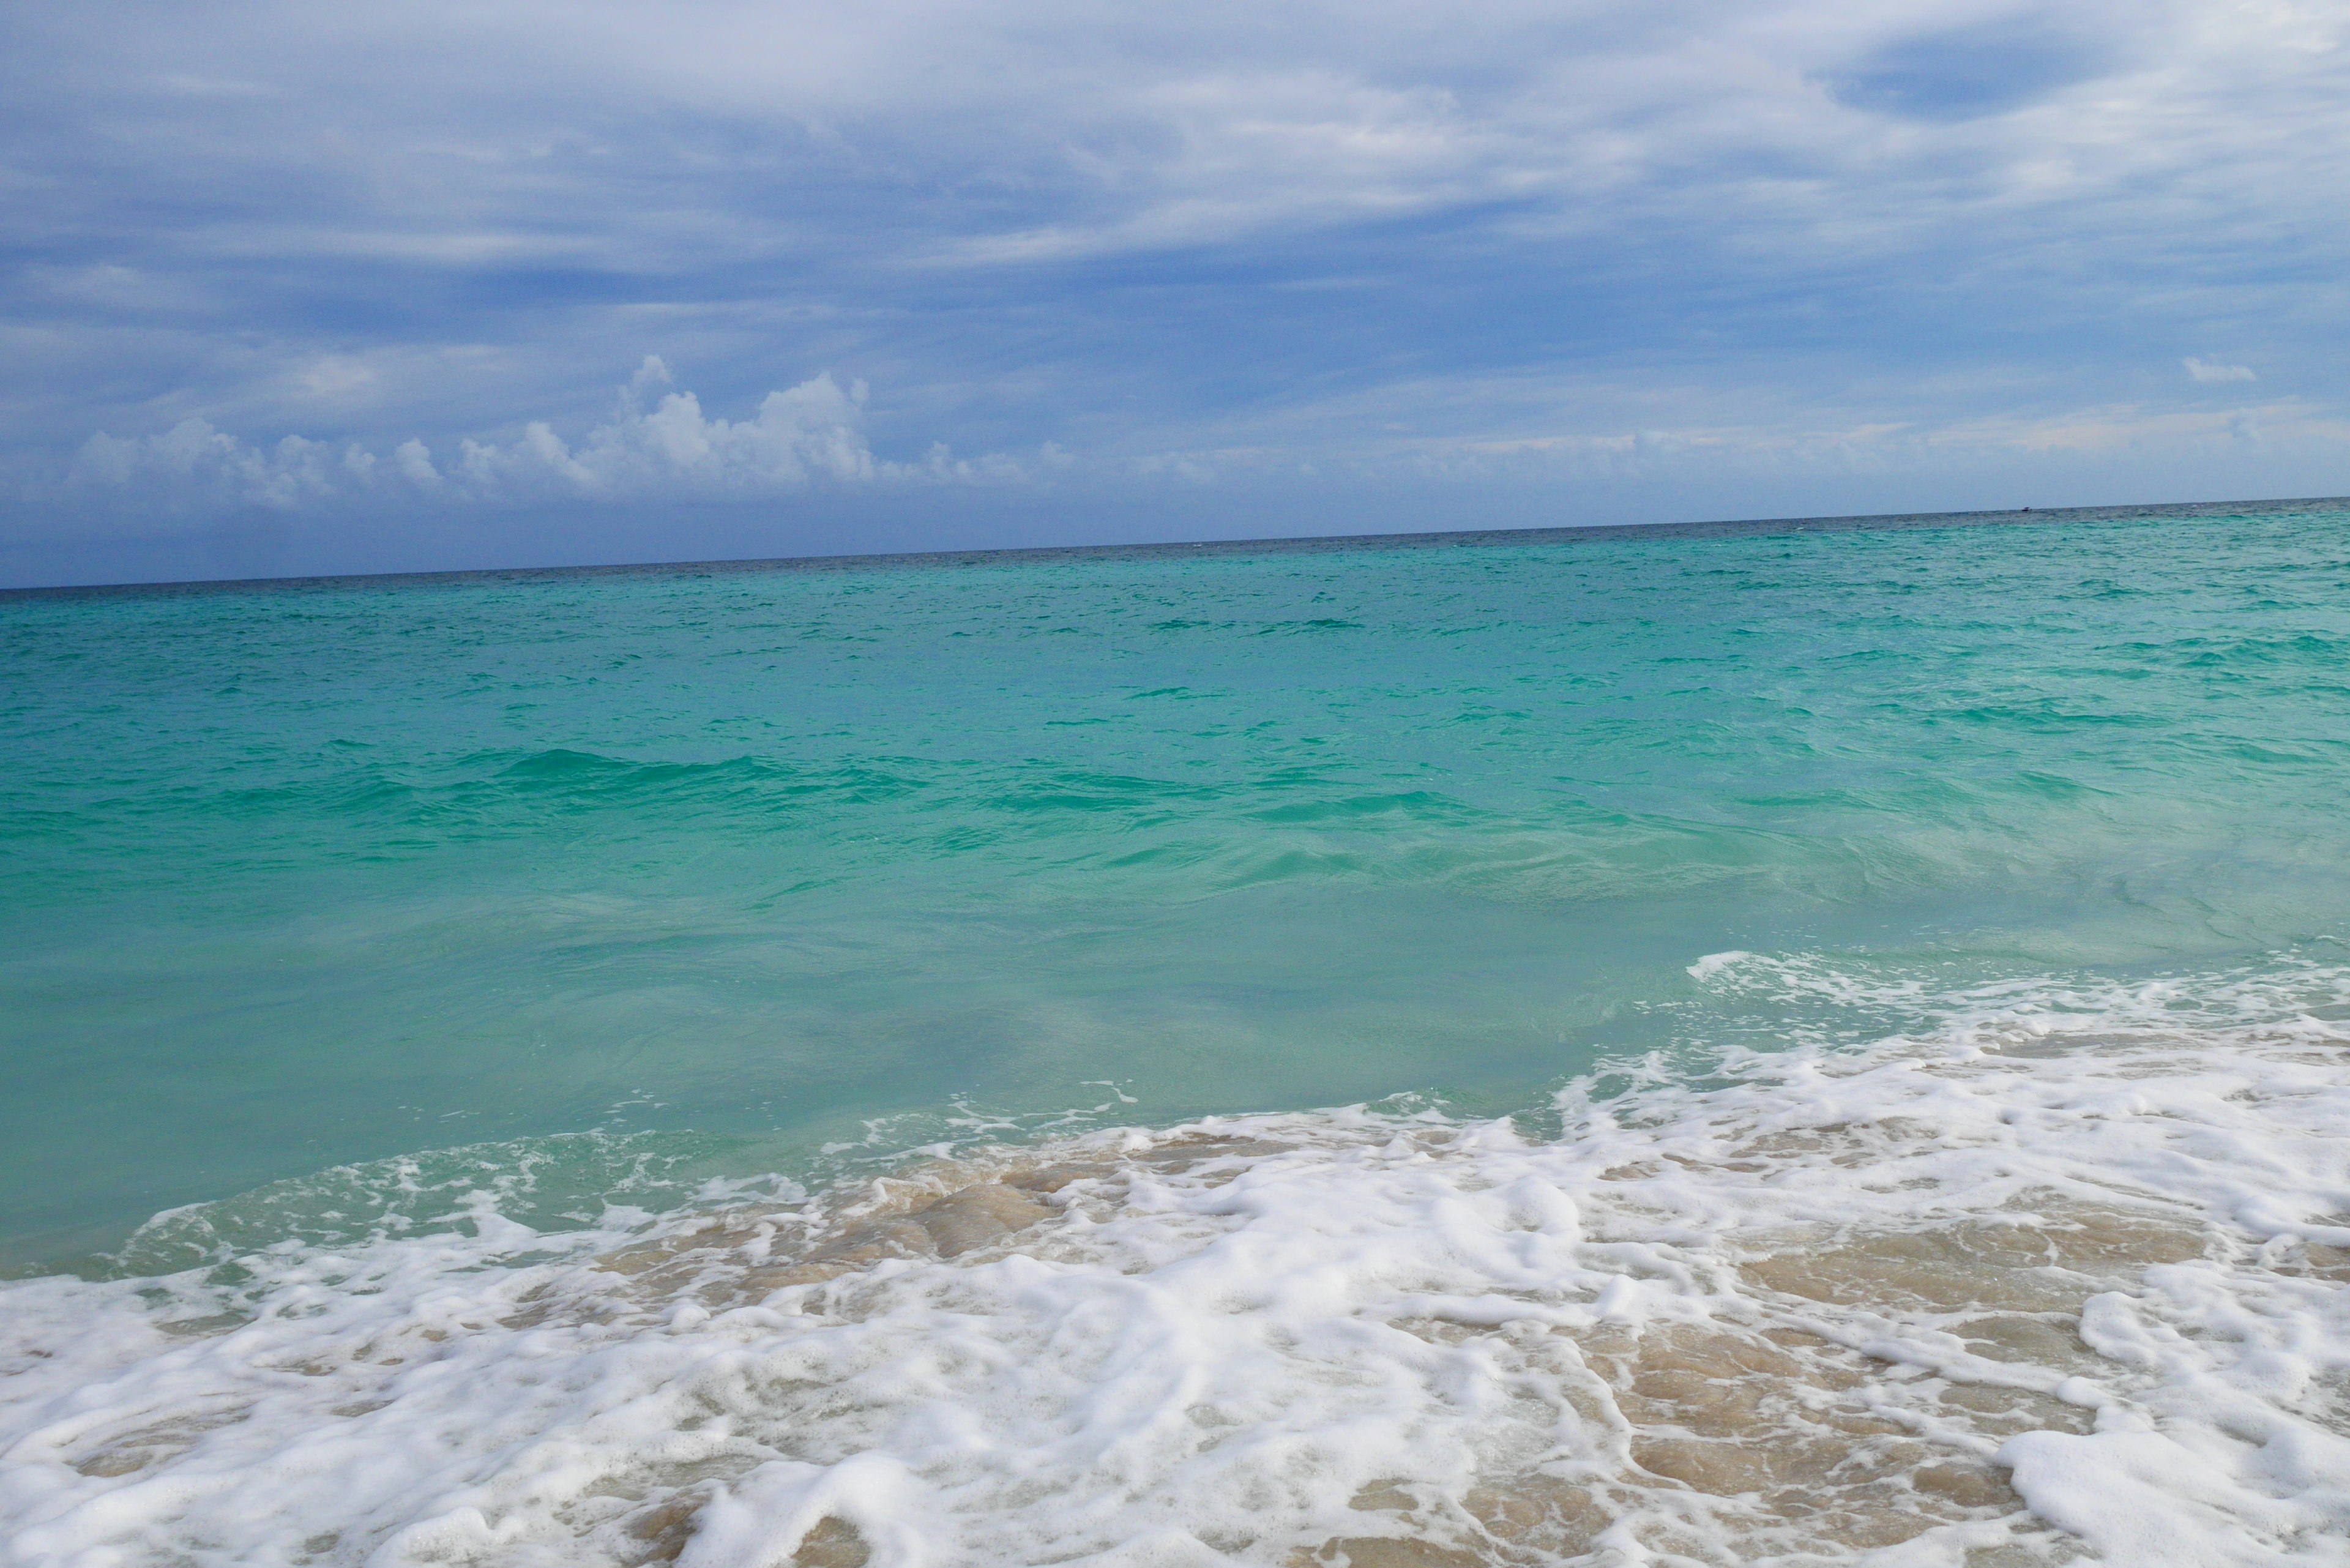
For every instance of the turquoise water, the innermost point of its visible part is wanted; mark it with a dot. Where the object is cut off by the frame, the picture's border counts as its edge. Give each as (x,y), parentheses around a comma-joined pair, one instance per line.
(646,876)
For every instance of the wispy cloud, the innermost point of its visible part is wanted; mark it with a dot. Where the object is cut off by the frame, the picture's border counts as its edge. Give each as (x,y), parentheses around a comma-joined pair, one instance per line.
(2208,370)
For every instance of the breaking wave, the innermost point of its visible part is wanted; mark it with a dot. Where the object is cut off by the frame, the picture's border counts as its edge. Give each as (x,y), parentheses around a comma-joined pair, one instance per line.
(2055,1272)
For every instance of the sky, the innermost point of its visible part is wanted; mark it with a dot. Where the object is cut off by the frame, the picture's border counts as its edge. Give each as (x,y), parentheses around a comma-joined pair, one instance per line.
(292,288)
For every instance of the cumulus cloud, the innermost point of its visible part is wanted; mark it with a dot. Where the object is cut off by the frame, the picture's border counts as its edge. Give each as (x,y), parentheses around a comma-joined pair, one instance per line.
(2208,370)
(207,463)
(813,430)
(657,444)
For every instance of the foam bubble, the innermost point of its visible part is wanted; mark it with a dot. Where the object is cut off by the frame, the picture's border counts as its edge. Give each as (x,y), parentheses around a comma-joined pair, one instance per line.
(2057,1272)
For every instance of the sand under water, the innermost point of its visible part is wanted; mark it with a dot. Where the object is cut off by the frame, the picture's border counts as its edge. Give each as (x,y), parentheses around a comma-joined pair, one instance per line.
(2060,1277)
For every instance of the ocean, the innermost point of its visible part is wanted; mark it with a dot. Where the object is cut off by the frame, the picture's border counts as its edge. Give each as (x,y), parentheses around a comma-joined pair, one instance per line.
(1797,1042)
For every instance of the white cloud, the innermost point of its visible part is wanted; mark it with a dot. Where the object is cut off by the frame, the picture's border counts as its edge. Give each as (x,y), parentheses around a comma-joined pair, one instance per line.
(414,461)
(813,433)
(2208,370)
(201,462)
(335,378)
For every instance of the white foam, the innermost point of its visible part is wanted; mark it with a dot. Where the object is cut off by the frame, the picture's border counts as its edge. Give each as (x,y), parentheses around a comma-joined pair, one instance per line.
(2082,1240)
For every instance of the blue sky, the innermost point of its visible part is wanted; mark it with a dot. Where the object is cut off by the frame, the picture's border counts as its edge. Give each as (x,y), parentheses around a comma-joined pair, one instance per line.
(293,289)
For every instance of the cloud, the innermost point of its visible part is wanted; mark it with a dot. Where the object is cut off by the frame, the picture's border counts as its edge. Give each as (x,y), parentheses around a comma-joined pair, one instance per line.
(2206,370)
(1215,240)
(202,463)
(813,431)
(1039,130)
(657,444)
(1533,428)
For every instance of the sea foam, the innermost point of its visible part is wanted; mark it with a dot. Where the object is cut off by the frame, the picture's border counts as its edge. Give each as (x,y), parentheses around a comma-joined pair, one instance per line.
(2057,1275)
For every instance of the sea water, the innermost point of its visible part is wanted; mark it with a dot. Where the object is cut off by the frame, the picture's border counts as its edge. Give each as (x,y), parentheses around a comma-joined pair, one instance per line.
(1771,1044)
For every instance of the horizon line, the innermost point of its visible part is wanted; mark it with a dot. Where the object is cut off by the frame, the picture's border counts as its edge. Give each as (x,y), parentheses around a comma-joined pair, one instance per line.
(1417,538)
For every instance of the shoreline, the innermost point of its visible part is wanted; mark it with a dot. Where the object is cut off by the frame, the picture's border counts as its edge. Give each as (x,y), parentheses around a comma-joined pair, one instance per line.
(2028,1284)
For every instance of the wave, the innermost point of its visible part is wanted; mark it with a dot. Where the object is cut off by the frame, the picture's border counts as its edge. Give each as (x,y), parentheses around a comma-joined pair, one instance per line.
(2054,1270)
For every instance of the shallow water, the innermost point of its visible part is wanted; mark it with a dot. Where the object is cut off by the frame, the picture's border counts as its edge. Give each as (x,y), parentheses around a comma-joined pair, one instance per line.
(2057,1276)
(661,1066)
